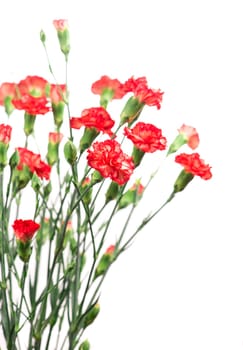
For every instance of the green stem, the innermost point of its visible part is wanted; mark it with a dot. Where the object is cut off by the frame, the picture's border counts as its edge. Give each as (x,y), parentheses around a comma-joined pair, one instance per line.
(4,242)
(146,221)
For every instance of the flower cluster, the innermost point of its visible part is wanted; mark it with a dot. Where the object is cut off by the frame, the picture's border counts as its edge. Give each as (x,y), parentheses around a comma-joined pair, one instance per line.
(79,183)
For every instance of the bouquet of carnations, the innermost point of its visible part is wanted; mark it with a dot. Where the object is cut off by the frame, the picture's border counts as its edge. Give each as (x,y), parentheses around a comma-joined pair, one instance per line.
(55,256)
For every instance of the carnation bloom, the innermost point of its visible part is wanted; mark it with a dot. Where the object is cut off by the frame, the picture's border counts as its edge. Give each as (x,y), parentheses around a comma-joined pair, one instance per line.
(5,133)
(33,85)
(194,165)
(33,162)
(146,137)
(108,158)
(191,135)
(24,230)
(108,85)
(131,84)
(143,93)
(96,117)
(32,105)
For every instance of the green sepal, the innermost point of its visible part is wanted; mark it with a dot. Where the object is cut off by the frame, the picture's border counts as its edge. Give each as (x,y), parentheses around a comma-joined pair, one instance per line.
(91,315)
(88,137)
(131,111)
(112,192)
(182,181)
(70,152)
(29,123)
(24,250)
(85,345)
(179,141)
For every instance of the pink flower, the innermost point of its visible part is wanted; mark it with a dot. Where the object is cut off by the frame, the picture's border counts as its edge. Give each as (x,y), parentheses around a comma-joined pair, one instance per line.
(55,137)
(7,90)
(110,250)
(191,135)
(57,92)
(60,24)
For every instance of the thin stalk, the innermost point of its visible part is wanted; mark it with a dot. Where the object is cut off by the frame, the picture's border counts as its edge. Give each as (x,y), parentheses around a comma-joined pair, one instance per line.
(146,221)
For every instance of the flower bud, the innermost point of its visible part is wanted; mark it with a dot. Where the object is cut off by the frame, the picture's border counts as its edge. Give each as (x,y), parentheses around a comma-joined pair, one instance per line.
(42,36)
(58,111)
(3,155)
(21,179)
(96,177)
(105,261)
(137,156)
(5,135)
(112,192)
(179,141)
(35,183)
(70,152)
(9,107)
(87,196)
(85,345)
(91,315)
(29,123)
(132,196)
(14,160)
(53,147)
(61,26)
(88,137)
(182,181)
(47,190)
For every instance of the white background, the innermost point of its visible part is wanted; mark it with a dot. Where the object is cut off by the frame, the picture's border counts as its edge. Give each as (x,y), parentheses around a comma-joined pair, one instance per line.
(180,286)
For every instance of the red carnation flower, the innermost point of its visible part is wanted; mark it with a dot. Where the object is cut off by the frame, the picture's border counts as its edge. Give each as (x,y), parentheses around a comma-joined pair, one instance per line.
(34,163)
(31,105)
(33,85)
(146,137)
(96,117)
(108,158)
(107,84)
(5,133)
(131,84)
(194,165)
(24,230)
(143,93)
